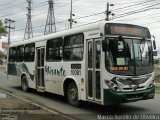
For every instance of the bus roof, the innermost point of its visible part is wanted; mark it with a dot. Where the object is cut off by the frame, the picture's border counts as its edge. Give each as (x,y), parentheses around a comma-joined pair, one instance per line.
(84,28)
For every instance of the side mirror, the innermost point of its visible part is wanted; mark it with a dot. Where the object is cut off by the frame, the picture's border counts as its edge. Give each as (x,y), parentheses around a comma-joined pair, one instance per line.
(120,38)
(154,44)
(143,41)
(105,45)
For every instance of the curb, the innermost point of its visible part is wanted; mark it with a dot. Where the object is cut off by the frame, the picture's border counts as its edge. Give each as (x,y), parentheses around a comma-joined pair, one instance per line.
(36,104)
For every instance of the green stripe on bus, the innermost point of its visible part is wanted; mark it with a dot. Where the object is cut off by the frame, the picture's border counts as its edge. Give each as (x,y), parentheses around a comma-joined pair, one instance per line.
(12,69)
(25,68)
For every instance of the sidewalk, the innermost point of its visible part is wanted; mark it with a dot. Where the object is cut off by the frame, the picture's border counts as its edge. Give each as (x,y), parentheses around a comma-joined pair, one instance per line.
(12,108)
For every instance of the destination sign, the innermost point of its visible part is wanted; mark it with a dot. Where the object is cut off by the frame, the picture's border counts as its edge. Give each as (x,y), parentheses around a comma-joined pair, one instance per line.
(127,30)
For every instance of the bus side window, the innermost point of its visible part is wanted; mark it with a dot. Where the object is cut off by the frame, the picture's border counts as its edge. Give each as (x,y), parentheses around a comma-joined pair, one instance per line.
(73,47)
(54,50)
(12,54)
(32,52)
(29,52)
(20,53)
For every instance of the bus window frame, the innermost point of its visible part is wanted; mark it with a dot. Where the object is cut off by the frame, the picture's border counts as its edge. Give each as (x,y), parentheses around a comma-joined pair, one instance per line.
(11,55)
(30,44)
(21,54)
(61,50)
(74,47)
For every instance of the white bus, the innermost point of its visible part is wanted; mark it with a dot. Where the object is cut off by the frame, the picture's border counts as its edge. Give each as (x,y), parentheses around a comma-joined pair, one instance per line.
(105,63)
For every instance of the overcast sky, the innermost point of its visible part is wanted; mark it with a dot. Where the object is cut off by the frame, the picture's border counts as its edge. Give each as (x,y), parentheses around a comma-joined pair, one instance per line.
(143,12)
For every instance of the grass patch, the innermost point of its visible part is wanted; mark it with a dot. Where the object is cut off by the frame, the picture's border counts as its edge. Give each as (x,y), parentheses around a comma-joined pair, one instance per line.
(158,89)
(157,71)
(157,80)
(2,68)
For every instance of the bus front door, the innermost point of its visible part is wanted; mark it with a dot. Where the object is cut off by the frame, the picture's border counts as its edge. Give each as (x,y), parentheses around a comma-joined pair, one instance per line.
(94,65)
(40,69)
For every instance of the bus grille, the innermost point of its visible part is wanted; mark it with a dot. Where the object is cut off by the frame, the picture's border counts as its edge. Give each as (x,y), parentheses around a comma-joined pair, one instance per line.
(132,81)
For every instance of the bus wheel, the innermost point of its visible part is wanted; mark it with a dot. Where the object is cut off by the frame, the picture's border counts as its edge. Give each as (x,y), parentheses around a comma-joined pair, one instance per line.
(24,83)
(72,94)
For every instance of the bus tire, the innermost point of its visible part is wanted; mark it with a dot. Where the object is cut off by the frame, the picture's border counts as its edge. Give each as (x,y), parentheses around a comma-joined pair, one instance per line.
(72,94)
(24,84)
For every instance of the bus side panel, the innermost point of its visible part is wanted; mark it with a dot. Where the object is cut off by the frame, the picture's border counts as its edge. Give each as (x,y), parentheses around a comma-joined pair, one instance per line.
(15,71)
(29,69)
(82,81)
(12,75)
(54,74)
(75,70)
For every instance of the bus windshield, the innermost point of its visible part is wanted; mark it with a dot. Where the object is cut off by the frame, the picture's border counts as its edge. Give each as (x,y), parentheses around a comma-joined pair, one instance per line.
(128,56)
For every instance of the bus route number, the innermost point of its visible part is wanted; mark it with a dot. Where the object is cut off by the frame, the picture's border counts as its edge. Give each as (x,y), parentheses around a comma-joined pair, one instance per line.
(76,72)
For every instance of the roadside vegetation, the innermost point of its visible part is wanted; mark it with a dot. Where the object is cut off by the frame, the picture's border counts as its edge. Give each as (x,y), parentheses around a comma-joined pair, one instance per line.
(2,68)
(157,74)
(158,89)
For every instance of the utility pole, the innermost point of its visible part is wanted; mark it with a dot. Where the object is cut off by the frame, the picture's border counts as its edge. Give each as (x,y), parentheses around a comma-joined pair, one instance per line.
(71,20)
(71,16)
(108,12)
(28,31)
(9,22)
(50,22)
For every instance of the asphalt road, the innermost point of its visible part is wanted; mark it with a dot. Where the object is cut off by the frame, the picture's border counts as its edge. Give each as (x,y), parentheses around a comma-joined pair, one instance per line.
(88,111)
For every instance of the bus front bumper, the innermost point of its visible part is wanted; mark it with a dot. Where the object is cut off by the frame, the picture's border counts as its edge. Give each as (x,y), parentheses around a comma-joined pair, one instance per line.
(124,97)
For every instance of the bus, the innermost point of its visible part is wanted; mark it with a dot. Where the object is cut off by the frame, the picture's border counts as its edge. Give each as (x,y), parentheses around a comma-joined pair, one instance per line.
(104,63)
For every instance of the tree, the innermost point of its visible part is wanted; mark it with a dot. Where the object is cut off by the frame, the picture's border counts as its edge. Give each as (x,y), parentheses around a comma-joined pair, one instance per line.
(3,31)
(2,56)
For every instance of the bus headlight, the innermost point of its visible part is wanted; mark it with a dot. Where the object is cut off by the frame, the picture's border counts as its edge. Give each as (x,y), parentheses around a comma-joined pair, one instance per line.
(151,84)
(112,86)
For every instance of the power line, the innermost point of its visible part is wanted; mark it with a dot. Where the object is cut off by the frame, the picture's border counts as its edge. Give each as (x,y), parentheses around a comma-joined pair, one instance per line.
(45,12)
(40,5)
(117,16)
(90,15)
(130,2)
(75,18)
(134,5)
(137,11)
(8,3)
(11,14)
(41,25)
(11,6)
(141,18)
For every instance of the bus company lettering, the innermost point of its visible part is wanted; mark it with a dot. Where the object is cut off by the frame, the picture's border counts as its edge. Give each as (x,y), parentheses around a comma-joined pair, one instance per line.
(54,71)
